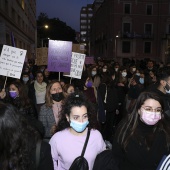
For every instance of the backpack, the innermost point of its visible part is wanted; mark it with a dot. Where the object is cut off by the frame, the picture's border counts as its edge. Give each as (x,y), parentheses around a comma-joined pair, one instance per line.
(80,163)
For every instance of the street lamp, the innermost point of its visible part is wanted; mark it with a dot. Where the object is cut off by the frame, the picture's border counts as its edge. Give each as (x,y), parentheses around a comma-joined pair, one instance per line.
(42,40)
(46,26)
(116,46)
(38,28)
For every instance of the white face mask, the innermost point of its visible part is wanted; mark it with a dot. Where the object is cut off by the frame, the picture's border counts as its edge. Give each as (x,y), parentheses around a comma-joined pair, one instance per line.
(138,74)
(166,88)
(104,69)
(124,74)
(93,73)
(116,69)
(134,69)
(168,91)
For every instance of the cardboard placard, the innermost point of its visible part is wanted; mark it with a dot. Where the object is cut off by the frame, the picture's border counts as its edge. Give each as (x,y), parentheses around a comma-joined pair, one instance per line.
(78,48)
(42,56)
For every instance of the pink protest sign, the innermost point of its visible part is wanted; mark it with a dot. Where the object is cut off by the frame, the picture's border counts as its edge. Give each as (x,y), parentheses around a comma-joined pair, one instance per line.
(89,60)
(59,56)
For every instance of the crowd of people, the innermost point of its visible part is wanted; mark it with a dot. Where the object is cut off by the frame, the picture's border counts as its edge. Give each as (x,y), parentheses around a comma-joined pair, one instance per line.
(126,108)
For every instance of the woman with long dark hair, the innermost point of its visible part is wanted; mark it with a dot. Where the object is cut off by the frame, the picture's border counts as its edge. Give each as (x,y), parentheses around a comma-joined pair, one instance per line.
(19,98)
(77,117)
(18,142)
(144,137)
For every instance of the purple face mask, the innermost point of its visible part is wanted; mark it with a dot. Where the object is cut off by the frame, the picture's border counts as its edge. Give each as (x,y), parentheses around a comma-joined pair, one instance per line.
(13,94)
(89,84)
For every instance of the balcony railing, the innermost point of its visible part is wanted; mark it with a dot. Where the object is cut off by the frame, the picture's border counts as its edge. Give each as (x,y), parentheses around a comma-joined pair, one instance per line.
(136,35)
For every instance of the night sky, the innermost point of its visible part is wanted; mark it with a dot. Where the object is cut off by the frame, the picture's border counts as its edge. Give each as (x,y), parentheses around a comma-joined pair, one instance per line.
(67,11)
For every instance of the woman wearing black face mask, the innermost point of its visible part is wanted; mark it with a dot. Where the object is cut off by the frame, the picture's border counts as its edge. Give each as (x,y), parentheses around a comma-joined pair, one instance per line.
(50,111)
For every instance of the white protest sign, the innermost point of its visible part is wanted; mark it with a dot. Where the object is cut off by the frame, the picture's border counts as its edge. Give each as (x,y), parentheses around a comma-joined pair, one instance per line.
(77,62)
(11,61)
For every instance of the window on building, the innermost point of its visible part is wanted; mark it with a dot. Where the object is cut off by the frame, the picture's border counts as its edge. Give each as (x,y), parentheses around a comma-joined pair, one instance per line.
(83,21)
(83,39)
(147,47)
(83,32)
(83,27)
(19,20)
(126,27)
(13,15)
(126,46)
(8,40)
(90,15)
(127,8)
(20,44)
(6,6)
(148,29)
(83,15)
(23,25)
(149,9)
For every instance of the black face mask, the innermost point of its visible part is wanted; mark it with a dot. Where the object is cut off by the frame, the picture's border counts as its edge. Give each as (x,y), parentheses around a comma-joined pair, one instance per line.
(57,96)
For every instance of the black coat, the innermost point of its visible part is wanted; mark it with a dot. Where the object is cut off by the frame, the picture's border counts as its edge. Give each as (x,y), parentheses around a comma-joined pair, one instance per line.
(112,97)
(46,162)
(141,153)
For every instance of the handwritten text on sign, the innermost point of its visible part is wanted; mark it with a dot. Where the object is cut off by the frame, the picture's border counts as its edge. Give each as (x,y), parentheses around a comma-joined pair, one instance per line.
(77,62)
(59,56)
(11,61)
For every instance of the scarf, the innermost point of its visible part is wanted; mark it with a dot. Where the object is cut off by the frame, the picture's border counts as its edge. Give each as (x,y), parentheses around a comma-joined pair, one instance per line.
(56,111)
(40,87)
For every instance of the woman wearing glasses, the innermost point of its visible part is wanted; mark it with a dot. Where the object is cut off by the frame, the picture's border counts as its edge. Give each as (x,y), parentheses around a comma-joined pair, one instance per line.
(144,137)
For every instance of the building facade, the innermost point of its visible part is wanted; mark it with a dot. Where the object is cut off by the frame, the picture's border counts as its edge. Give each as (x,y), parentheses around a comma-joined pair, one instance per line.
(18,23)
(133,29)
(86,14)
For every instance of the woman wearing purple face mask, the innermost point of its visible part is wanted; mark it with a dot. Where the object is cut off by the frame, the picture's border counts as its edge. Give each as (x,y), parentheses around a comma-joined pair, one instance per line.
(19,98)
(90,90)
(144,137)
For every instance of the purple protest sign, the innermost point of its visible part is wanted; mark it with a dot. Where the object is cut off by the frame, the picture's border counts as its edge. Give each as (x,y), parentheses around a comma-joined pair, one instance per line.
(89,60)
(59,56)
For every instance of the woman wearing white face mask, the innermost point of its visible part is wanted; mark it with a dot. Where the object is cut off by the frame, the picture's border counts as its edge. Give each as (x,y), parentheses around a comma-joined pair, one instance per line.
(77,118)
(122,89)
(94,76)
(144,137)
(25,80)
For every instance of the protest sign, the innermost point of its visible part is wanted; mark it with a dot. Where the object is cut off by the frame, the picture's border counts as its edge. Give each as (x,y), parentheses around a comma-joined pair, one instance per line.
(77,62)
(42,56)
(59,56)
(11,61)
(89,60)
(78,48)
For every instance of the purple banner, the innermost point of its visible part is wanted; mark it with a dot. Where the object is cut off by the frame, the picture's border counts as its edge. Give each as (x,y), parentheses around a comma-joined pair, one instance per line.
(59,56)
